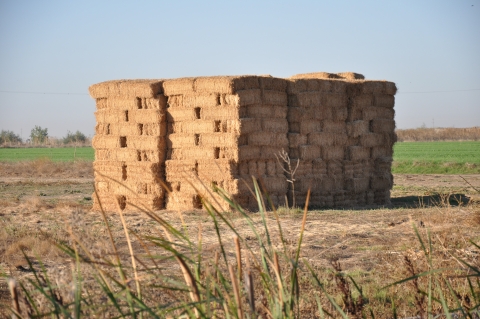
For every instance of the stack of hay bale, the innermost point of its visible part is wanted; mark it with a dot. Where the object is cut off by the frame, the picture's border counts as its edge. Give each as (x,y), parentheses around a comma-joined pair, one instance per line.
(341,129)
(222,131)
(129,144)
(190,133)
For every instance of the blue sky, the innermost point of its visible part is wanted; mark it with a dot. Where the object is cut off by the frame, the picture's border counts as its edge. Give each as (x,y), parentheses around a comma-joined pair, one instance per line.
(62,47)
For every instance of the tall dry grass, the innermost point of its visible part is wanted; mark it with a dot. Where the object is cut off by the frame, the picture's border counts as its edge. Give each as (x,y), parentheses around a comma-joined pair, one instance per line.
(438,134)
(259,275)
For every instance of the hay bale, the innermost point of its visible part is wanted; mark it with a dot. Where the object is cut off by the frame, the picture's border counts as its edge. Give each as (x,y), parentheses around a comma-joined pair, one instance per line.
(378,152)
(358,128)
(334,100)
(351,76)
(267,139)
(244,98)
(357,185)
(374,87)
(330,153)
(274,125)
(306,99)
(309,152)
(363,101)
(327,138)
(274,98)
(334,127)
(358,153)
(384,100)
(310,126)
(371,140)
(319,167)
(296,139)
(271,83)
(372,112)
(126,89)
(382,126)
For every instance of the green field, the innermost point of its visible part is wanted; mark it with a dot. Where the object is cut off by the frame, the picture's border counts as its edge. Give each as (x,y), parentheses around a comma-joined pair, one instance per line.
(437,158)
(54,154)
(409,157)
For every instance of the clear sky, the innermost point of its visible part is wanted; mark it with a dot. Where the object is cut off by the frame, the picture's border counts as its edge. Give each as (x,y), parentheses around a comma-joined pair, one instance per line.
(59,48)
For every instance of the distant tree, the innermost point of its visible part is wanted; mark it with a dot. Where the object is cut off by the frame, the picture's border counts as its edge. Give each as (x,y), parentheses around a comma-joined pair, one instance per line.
(77,137)
(39,135)
(9,137)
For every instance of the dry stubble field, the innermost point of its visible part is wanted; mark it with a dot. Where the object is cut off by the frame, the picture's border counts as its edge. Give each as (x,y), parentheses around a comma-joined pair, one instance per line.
(39,202)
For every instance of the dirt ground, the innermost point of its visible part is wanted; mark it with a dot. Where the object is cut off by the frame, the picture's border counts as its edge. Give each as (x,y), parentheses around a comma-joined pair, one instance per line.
(367,242)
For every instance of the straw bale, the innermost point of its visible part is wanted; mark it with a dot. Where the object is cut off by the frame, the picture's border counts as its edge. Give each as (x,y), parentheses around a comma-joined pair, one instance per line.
(268,152)
(371,139)
(309,152)
(154,129)
(295,114)
(339,86)
(354,114)
(382,197)
(218,139)
(198,100)
(357,128)
(155,143)
(384,100)
(390,88)
(122,104)
(370,197)
(271,83)
(110,116)
(217,84)
(319,113)
(146,116)
(267,139)
(274,185)
(348,168)
(382,152)
(315,75)
(335,100)
(327,138)
(280,112)
(305,168)
(158,103)
(224,113)
(340,114)
(175,101)
(334,168)
(310,126)
(296,139)
(319,167)
(294,127)
(106,142)
(123,129)
(122,154)
(351,76)
(382,126)
(306,99)
(204,152)
(178,86)
(363,100)
(390,139)
(126,89)
(101,103)
(372,112)
(275,125)
(358,153)
(363,168)
(333,153)
(154,156)
(375,87)
(295,86)
(294,152)
(244,98)
(274,97)
(136,189)
(191,127)
(334,127)
(382,165)
(249,152)
(381,183)
(357,185)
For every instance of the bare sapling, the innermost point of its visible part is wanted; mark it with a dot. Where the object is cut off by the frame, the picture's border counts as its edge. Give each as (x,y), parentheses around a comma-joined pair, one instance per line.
(290,171)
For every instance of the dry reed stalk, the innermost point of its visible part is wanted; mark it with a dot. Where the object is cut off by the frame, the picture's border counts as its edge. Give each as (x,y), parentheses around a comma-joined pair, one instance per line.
(132,255)
(248,281)
(238,252)
(277,269)
(236,291)
(12,286)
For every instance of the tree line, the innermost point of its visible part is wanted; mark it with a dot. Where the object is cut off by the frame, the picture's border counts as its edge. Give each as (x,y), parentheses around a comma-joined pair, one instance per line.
(39,136)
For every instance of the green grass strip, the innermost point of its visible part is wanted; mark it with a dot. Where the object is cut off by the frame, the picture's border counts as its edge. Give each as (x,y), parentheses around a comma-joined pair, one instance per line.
(54,154)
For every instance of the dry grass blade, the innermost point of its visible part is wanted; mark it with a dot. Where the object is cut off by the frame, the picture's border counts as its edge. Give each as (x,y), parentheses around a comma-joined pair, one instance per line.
(236,291)
(238,252)
(12,285)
